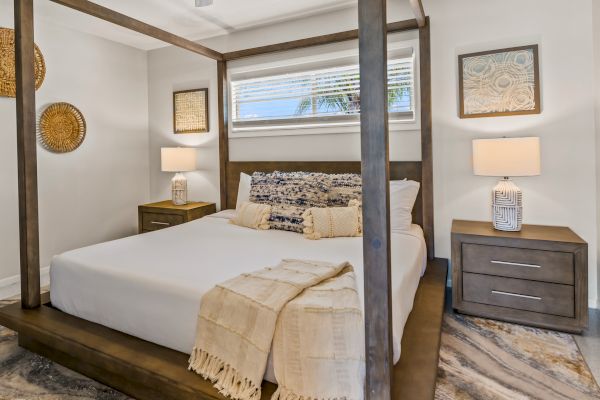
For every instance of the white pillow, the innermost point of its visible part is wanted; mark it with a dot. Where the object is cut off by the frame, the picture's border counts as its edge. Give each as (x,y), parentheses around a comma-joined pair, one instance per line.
(402,199)
(243,190)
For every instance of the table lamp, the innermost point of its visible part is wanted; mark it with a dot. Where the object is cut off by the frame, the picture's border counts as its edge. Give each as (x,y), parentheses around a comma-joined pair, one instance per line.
(178,160)
(506,157)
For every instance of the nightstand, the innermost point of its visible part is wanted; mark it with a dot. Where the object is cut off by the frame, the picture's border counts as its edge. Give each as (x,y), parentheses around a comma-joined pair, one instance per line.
(537,276)
(155,216)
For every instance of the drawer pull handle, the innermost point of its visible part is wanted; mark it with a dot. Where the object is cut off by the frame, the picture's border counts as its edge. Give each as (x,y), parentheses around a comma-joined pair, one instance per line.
(516,264)
(524,296)
(160,223)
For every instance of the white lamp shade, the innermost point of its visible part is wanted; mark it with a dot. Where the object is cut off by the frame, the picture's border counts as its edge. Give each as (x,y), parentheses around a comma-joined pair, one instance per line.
(507,157)
(177,159)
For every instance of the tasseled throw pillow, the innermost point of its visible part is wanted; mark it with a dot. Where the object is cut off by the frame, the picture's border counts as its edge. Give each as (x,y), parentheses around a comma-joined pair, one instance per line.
(333,222)
(252,215)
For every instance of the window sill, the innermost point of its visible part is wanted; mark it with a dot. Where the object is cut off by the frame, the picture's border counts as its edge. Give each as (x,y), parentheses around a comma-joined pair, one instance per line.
(316,129)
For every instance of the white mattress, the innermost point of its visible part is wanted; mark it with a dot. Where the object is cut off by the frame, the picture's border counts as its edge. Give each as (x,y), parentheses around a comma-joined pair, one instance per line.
(150,285)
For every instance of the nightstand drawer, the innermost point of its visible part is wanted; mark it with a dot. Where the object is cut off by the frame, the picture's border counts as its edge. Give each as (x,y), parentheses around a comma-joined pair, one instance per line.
(155,221)
(541,297)
(537,265)
(162,214)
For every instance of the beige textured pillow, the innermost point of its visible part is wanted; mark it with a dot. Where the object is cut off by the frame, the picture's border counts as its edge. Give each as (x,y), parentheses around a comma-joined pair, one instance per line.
(252,215)
(332,222)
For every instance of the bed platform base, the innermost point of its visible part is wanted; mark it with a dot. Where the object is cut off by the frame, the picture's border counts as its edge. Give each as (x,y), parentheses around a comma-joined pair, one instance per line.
(145,370)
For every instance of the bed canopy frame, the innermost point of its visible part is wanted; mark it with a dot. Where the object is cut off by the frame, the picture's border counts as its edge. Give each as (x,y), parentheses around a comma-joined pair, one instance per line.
(149,371)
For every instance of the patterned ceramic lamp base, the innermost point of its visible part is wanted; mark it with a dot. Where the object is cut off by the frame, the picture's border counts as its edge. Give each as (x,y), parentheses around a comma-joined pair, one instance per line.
(507,206)
(179,189)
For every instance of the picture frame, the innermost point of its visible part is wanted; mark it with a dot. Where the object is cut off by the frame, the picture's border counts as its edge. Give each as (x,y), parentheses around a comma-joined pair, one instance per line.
(499,82)
(190,111)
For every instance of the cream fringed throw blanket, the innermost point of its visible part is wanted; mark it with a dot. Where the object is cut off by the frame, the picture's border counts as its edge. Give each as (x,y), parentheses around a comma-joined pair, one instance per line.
(308,311)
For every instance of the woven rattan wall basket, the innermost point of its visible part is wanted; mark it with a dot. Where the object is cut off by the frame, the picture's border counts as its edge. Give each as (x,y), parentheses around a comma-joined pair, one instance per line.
(61,128)
(8,86)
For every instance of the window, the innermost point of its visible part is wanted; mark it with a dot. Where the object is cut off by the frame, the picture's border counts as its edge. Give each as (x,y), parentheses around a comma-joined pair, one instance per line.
(315,96)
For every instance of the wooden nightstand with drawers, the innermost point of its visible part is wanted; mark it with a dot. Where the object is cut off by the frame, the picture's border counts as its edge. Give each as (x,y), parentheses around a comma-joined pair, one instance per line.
(155,216)
(534,277)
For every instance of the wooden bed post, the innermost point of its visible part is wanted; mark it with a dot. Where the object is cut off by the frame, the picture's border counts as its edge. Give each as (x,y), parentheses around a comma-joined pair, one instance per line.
(223,104)
(26,154)
(426,137)
(106,14)
(372,26)
(417,7)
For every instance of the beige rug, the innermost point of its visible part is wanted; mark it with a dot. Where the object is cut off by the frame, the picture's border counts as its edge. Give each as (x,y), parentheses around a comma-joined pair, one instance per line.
(486,359)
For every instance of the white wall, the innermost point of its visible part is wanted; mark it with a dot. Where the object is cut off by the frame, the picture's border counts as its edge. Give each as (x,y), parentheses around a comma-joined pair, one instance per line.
(171,69)
(174,69)
(89,195)
(565,193)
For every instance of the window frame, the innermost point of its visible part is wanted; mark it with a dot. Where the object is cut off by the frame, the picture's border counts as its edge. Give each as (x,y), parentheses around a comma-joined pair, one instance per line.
(280,62)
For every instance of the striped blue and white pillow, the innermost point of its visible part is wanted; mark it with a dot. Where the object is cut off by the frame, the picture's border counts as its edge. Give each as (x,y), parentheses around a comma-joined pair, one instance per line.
(343,189)
(290,194)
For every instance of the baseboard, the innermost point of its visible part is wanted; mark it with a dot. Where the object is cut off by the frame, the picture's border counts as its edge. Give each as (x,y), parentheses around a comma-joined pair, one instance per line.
(11,286)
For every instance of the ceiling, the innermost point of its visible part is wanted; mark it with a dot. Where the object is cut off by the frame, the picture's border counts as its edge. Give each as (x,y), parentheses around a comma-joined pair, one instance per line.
(182,18)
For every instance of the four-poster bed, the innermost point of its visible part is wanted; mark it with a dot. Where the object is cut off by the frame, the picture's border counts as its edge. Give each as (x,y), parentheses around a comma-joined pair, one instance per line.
(147,370)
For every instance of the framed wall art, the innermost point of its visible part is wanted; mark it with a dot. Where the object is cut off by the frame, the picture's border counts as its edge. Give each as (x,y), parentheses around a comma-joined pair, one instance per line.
(499,82)
(190,111)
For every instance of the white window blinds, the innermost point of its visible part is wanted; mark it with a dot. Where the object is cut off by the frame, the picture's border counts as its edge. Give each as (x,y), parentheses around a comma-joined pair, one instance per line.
(317,96)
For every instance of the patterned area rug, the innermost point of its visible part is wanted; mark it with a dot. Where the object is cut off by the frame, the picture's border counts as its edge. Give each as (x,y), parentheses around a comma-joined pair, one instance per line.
(479,359)
(485,359)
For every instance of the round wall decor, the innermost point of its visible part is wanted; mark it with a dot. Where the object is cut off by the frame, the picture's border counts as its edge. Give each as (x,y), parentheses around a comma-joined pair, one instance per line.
(62,128)
(8,86)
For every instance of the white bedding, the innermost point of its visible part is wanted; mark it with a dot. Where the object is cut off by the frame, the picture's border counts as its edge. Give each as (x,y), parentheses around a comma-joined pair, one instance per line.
(150,285)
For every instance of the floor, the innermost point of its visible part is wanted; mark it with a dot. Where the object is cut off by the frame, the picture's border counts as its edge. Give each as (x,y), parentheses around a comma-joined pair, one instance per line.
(486,359)
(26,376)
(589,343)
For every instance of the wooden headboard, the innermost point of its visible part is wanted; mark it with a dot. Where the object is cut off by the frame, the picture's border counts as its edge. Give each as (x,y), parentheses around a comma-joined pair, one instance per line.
(398,170)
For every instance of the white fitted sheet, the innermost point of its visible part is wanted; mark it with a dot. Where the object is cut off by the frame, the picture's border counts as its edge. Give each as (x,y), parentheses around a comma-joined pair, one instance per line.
(150,285)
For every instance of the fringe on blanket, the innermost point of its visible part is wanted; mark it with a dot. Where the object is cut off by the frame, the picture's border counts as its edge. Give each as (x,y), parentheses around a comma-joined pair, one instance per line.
(285,394)
(225,378)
